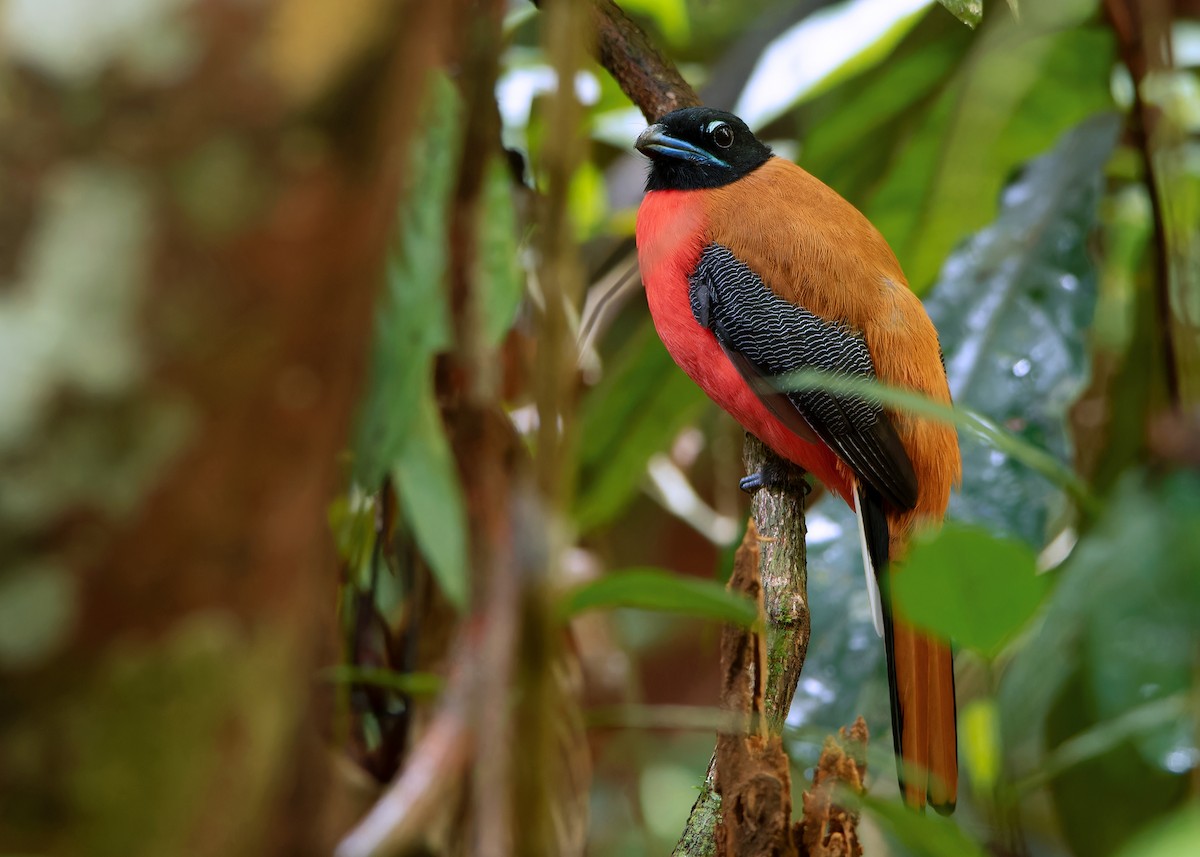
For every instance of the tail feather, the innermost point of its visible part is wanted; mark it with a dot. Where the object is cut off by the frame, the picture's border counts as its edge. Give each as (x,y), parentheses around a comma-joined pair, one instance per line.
(921,675)
(921,682)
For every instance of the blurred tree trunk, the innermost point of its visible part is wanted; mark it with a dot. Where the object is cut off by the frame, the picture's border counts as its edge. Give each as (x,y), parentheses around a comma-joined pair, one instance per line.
(196,199)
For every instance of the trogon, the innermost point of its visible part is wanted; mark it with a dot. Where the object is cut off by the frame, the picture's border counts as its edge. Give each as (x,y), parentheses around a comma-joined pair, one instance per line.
(754,269)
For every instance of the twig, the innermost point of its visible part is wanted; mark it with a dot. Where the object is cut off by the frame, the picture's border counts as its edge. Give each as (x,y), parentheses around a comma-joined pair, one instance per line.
(400,819)
(653,83)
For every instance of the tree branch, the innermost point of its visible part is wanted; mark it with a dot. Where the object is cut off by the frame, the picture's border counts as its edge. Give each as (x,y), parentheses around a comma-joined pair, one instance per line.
(657,87)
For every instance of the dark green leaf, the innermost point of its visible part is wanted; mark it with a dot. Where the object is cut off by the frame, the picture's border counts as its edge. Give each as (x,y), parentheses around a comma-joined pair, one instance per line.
(1125,618)
(411,322)
(501,280)
(1013,307)
(967,584)
(1020,87)
(427,484)
(654,589)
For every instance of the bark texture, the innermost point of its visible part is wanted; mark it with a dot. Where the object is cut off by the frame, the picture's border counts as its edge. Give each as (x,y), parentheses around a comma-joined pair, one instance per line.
(190,249)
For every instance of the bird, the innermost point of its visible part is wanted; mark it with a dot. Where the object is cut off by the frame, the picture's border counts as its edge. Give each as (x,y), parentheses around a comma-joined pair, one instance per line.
(753,269)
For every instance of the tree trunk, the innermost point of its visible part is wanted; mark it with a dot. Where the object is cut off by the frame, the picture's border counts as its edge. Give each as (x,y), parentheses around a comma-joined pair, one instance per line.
(196,201)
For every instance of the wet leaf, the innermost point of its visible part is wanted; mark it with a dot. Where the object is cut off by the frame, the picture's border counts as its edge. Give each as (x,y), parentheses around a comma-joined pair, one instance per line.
(1123,624)
(970,12)
(1012,307)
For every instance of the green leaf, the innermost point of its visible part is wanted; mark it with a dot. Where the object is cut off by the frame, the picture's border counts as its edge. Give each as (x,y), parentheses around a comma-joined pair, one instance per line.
(1123,626)
(411,322)
(400,430)
(1019,88)
(427,484)
(970,12)
(967,584)
(588,200)
(670,16)
(1013,307)
(853,132)
(779,83)
(655,589)
(925,835)
(643,401)
(500,278)
(908,401)
(1177,836)
(979,730)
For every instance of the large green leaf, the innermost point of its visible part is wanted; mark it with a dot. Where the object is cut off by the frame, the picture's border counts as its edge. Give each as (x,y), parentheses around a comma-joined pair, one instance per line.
(1018,89)
(411,321)
(969,585)
(655,589)
(1013,307)
(851,133)
(1011,276)
(400,430)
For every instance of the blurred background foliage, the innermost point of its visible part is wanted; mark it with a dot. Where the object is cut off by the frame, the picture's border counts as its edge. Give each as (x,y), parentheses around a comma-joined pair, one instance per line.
(1002,162)
(1036,169)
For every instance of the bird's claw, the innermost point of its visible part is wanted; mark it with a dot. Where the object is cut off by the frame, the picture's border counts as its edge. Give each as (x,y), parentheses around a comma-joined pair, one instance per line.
(779,476)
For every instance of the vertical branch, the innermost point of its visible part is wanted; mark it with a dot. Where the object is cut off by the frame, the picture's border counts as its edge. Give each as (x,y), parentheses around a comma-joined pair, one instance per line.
(560,274)
(1143,36)
(482,448)
(551,779)
(777,515)
(777,519)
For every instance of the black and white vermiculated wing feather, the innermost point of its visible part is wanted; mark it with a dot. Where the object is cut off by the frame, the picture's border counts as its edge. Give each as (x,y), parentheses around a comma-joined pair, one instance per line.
(765,336)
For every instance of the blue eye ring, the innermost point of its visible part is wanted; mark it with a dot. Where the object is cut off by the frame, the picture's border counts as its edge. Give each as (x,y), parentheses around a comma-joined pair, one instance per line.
(720,132)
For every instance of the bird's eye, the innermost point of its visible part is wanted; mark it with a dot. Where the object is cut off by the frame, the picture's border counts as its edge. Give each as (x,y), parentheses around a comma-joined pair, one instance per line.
(722,134)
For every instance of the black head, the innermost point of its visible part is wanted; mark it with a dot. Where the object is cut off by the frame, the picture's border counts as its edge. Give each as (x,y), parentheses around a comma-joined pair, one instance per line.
(699,147)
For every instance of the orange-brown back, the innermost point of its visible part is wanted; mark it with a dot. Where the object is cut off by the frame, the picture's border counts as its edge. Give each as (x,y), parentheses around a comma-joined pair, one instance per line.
(810,246)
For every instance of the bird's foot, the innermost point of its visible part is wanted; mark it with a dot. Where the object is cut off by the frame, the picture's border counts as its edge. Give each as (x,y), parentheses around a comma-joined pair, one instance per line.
(776,474)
